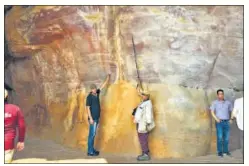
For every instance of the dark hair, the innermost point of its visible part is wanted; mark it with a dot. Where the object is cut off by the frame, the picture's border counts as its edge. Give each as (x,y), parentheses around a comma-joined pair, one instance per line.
(220,90)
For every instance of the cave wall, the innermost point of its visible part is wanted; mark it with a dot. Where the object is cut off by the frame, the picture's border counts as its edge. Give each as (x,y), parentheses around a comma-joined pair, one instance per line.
(185,53)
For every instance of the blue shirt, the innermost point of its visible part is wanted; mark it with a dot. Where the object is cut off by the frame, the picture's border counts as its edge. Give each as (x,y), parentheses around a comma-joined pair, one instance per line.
(222,109)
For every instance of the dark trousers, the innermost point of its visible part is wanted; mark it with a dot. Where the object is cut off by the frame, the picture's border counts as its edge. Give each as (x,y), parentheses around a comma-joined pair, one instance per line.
(143,139)
(91,136)
(223,134)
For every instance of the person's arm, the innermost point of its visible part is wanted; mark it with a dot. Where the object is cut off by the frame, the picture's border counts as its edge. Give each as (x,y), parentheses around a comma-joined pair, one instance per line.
(235,111)
(148,113)
(134,111)
(215,117)
(212,108)
(89,112)
(88,105)
(233,116)
(105,82)
(138,114)
(230,107)
(21,130)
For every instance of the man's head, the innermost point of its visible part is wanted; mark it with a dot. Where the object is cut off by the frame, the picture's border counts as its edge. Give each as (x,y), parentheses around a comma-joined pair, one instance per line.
(220,94)
(93,88)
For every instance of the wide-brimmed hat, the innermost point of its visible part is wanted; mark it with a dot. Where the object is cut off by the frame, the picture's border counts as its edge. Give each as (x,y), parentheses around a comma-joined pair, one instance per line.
(5,93)
(145,93)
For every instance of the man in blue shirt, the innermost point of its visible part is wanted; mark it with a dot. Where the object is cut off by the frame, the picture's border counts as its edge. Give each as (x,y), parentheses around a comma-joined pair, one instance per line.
(93,111)
(221,110)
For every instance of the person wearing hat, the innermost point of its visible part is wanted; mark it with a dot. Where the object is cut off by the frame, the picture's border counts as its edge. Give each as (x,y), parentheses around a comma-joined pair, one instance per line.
(93,111)
(143,117)
(13,118)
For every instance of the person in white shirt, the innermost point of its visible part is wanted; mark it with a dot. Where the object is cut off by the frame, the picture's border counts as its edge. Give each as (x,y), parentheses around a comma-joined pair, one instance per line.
(144,119)
(238,113)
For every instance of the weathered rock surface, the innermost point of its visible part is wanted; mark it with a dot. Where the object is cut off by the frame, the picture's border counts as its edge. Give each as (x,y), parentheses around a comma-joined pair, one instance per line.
(184,54)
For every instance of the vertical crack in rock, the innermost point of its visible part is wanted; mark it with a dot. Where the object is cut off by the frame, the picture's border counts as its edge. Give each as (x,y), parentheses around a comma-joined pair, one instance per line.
(206,95)
(117,42)
(210,74)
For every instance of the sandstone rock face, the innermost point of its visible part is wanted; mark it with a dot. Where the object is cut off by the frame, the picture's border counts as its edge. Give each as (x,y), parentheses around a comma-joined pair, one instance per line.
(184,54)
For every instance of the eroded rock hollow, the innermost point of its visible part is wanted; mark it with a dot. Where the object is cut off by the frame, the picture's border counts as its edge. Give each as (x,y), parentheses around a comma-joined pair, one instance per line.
(184,54)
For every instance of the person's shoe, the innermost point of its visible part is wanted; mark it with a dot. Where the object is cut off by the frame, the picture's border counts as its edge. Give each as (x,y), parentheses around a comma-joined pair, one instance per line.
(95,151)
(220,154)
(227,153)
(143,157)
(92,154)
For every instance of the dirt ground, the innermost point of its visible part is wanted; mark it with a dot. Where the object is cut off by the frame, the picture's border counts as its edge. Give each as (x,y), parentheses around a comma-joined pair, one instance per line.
(45,151)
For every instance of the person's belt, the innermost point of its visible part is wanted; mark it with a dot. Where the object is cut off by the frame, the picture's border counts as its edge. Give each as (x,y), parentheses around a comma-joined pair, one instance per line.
(224,120)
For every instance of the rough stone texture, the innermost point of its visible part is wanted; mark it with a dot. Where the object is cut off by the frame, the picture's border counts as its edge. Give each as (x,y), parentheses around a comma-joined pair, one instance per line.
(184,54)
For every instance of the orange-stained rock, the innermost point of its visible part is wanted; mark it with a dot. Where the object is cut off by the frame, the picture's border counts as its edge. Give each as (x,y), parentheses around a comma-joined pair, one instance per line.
(182,52)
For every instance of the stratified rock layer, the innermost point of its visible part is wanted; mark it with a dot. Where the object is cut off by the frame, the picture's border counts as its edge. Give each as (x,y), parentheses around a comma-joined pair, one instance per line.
(184,54)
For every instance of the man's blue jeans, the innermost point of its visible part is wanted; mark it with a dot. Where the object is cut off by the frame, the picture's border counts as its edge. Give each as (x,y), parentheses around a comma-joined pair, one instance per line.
(223,134)
(91,136)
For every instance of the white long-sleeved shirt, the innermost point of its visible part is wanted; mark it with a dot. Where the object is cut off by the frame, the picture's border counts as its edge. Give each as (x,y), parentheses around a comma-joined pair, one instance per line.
(238,112)
(145,106)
